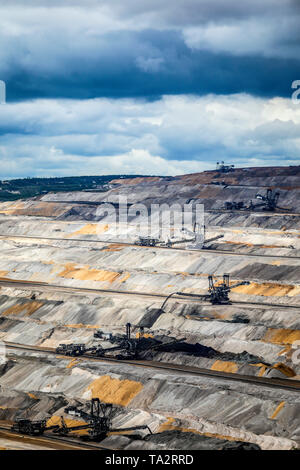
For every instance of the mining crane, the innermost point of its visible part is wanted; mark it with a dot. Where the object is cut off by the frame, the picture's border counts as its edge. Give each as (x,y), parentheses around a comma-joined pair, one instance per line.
(129,347)
(222,168)
(132,347)
(217,293)
(124,343)
(98,421)
(269,200)
(198,239)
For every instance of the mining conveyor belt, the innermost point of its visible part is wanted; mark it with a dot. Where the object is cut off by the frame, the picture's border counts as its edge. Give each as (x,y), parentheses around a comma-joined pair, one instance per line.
(275,383)
(44,286)
(109,242)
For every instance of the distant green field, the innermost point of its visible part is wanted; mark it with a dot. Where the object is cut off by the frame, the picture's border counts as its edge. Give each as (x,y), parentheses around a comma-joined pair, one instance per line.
(10,190)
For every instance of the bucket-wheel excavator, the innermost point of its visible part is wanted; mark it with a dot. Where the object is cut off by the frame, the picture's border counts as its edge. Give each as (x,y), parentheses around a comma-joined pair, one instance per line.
(269,200)
(218,293)
(132,348)
(128,346)
(98,422)
(197,238)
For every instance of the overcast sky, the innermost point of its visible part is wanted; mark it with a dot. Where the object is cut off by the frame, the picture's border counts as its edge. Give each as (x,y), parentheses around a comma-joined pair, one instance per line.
(147,86)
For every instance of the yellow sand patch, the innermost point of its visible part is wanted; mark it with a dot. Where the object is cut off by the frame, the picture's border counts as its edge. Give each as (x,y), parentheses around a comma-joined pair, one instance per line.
(268,289)
(55,420)
(91,229)
(263,368)
(9,208)
(114,247)
(73,363)
(118,392)
(33,208)
(281,336)
(278,409)
(262,371)
(31,395)
(167,425)
(125,277)
(144,335)
(222,316)
(191,317)
(225,366)
(3,273)
(238,243)
(276,263)
(3,448)
(26,309)
(285,351)
(284,369)
(87,274)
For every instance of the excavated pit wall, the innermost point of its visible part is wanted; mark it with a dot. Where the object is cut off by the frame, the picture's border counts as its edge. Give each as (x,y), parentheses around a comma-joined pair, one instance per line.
(244,348)
(153,270)
(239,334)
(164,401)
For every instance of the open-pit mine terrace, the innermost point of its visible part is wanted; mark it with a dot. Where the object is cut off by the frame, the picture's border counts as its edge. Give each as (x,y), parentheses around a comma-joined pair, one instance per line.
(64,274)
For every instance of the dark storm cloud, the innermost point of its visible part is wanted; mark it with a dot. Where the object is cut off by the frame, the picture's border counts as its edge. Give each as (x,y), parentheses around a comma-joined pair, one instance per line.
(181,84)
(180,12)
(194,12)
(85,49)
(141,64)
